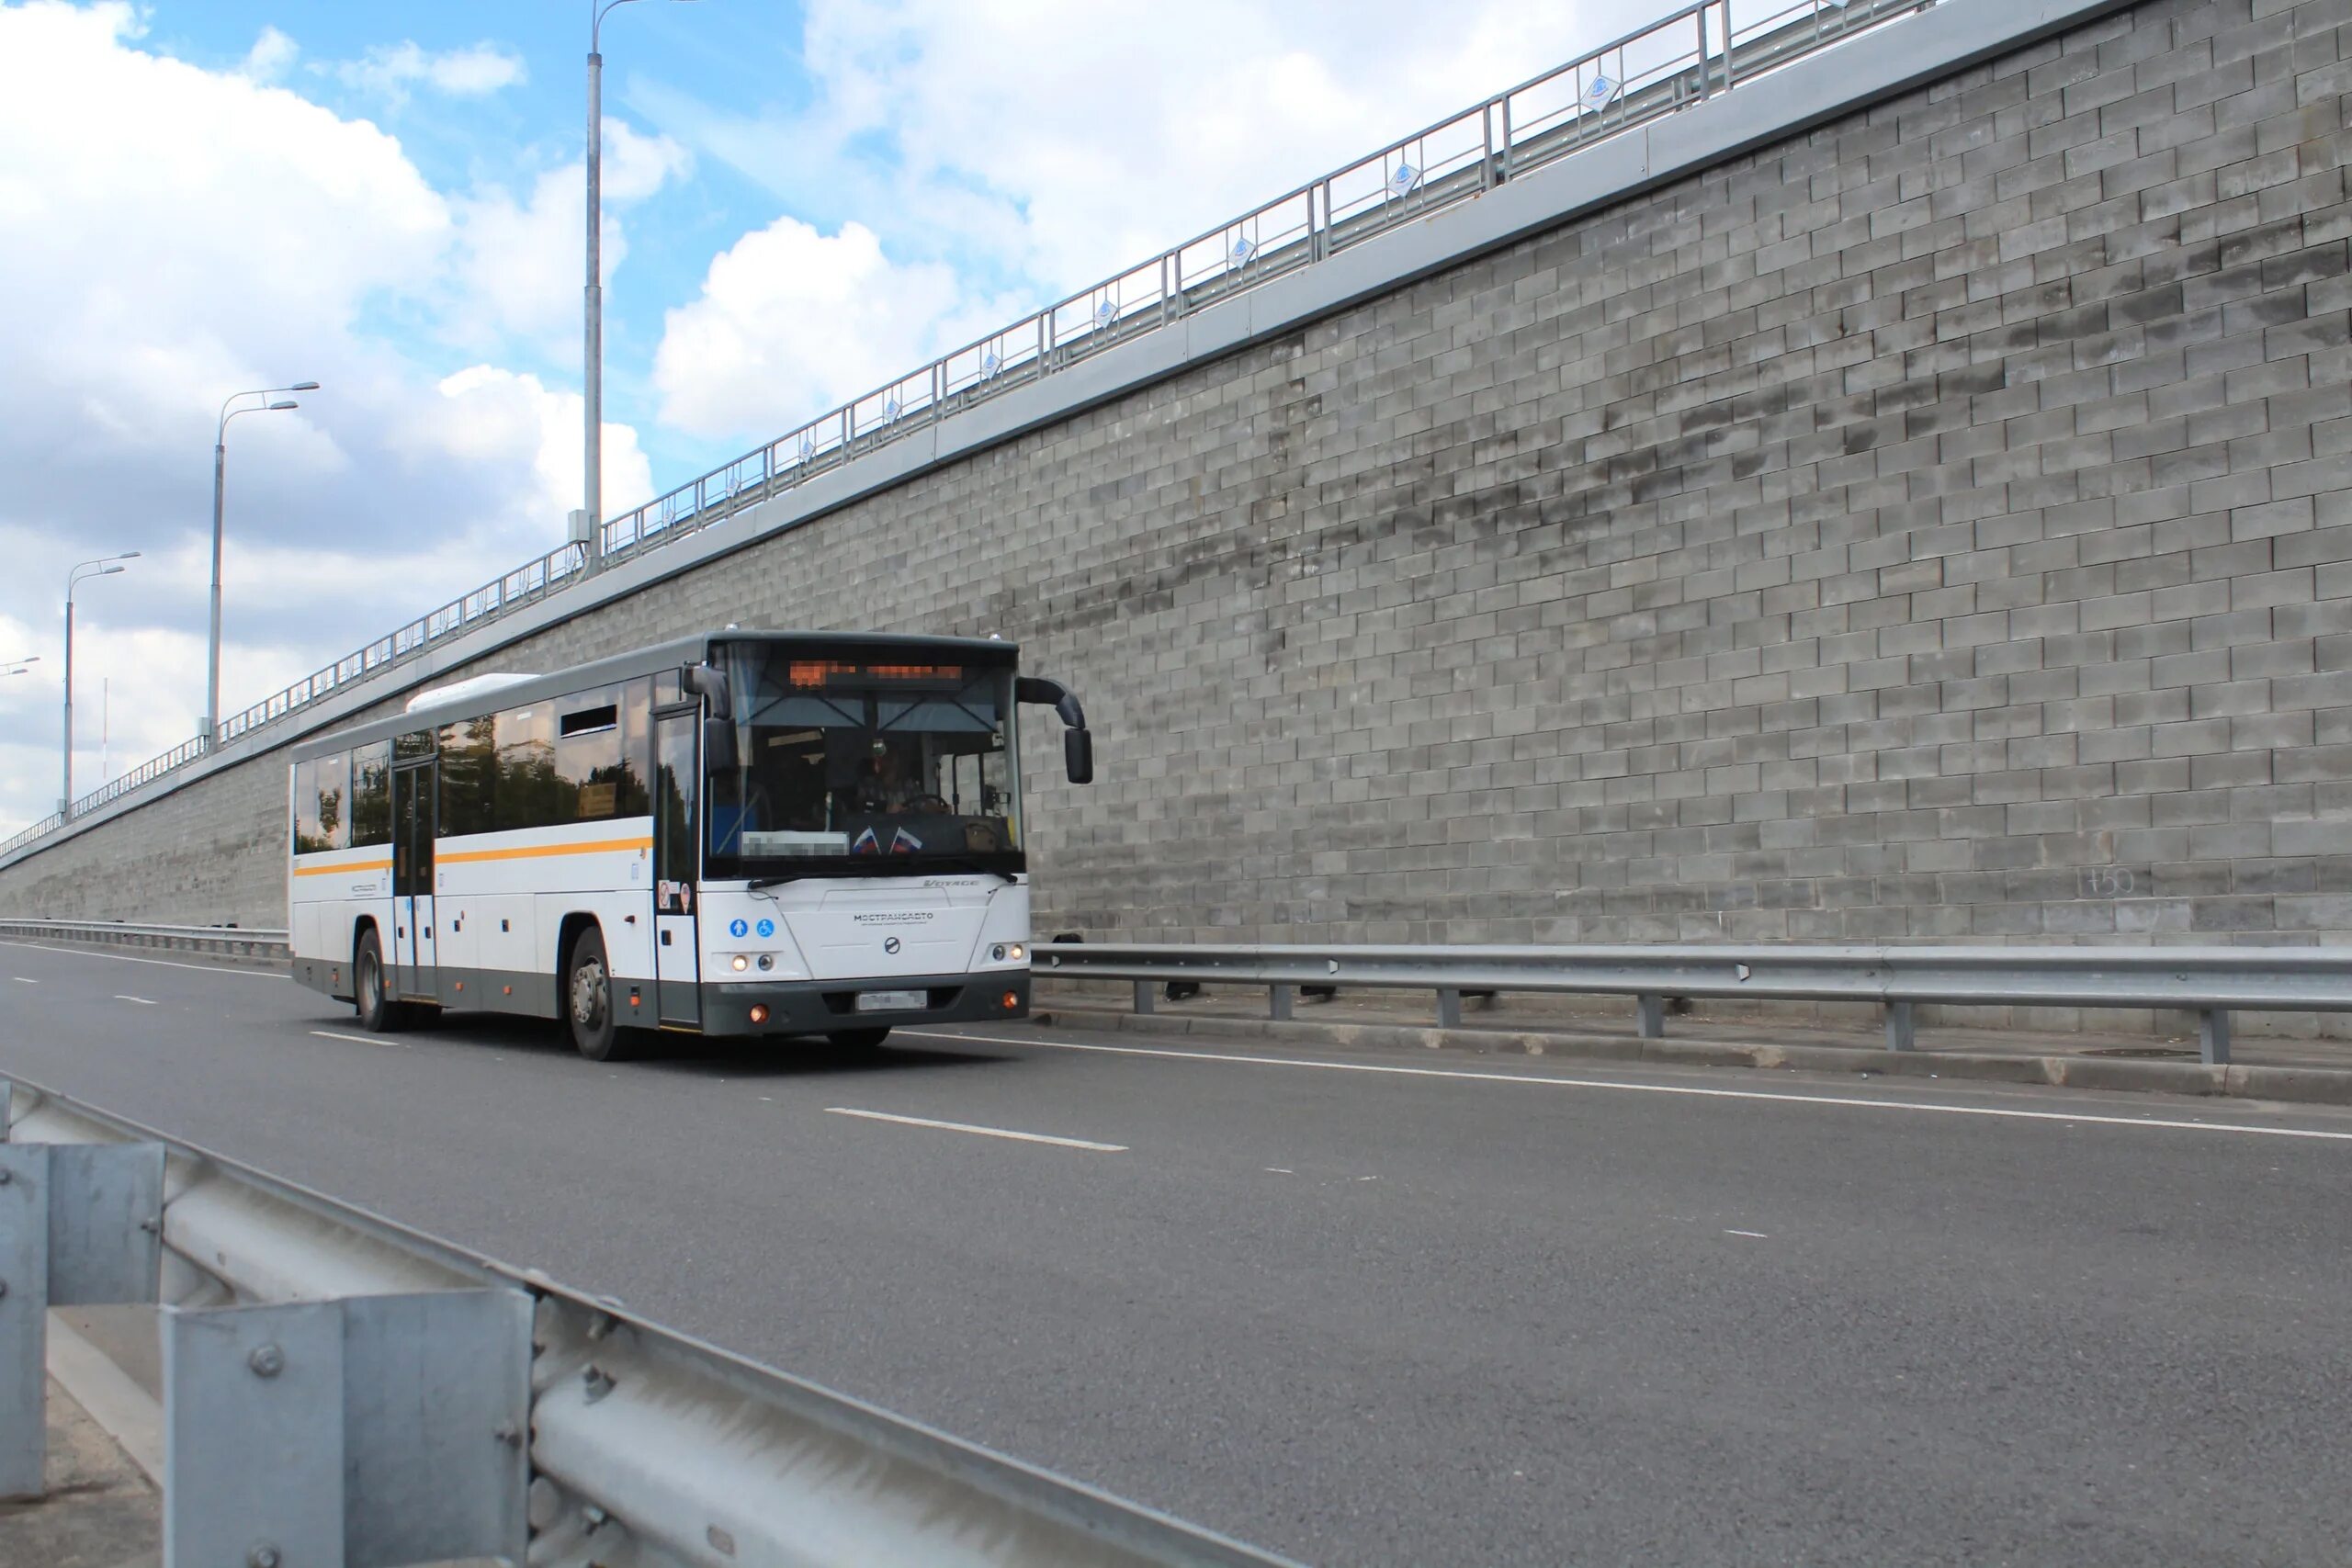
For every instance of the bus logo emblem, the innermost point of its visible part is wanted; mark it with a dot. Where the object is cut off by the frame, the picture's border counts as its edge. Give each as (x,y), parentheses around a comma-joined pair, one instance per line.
(889,944)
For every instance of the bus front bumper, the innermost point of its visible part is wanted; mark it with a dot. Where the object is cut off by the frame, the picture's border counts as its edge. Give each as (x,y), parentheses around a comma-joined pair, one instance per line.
(826,1006)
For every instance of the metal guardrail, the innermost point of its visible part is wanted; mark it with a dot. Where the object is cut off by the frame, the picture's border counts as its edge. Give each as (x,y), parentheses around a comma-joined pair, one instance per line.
(237,942)
(1679,60)
(2212,982)
(372,1396)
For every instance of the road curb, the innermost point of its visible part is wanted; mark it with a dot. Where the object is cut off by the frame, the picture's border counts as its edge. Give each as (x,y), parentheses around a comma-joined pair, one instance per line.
(2307,1085)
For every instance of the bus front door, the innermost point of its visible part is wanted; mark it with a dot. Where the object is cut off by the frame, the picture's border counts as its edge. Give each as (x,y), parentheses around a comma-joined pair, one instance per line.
(677,864)
(412,955)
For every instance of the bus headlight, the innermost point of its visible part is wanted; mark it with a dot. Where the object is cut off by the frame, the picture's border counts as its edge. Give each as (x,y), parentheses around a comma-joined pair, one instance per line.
(738,964)
(767,960)
(1017,953)
(1007,951)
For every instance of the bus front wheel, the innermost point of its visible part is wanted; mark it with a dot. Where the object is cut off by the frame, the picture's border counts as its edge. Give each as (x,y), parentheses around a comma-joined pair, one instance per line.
(375,1010)
(588,1002)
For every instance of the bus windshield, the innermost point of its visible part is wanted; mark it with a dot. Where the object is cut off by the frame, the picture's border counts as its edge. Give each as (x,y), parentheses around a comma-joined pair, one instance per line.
(864,763)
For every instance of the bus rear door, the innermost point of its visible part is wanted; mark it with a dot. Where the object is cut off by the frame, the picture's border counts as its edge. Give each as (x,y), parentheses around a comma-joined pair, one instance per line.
(677,864)
(412,955)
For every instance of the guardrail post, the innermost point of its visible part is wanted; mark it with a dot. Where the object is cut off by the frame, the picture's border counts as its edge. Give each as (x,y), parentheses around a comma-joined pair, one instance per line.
(1649,1013)
(1900,1034)
(1449,1008)
(1142,996)
(1279,1001)
(24,1321)
(2213,1037)
(81,1225)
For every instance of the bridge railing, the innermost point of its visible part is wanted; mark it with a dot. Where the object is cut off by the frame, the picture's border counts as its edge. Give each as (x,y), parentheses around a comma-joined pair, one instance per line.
(370,1395)
(1679,60)
(2212,982)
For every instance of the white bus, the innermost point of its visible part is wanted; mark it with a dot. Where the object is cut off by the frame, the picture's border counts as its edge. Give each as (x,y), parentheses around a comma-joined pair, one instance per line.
(761,833)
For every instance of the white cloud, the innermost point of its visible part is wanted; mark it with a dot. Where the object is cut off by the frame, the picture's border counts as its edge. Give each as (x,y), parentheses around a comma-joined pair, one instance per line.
(636,164)
(791,321)
(1071,160)
(518,270)
(271,57)
(488,414)
(197,233)
(389,71)
(1000,172)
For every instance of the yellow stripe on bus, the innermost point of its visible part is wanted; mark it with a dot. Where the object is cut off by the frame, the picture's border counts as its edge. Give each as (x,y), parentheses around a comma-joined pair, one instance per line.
(534,852)
(349,867)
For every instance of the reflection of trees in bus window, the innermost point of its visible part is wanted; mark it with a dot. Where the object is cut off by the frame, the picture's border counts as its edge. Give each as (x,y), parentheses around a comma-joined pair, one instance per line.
(469,776)
(332,788)
(318,786)
(573,760)
(371,795)
(529,793)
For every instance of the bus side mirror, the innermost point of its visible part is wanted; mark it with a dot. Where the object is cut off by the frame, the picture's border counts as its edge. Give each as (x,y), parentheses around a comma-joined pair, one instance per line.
(718,746)
(1078,755)
(705,681)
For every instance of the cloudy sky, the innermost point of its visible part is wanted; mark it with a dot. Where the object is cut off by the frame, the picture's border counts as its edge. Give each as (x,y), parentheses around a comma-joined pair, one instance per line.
(198,197)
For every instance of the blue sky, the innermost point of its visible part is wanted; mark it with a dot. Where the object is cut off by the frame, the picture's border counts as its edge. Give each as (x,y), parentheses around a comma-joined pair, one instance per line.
(802,202)
(706,49)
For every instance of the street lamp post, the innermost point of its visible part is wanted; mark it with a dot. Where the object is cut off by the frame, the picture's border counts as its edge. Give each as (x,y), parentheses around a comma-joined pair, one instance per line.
(592,489)
(105,566)
(220,473)
(19,666)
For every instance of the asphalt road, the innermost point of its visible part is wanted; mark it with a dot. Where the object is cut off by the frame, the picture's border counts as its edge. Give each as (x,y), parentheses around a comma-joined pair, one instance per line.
(1382,1308)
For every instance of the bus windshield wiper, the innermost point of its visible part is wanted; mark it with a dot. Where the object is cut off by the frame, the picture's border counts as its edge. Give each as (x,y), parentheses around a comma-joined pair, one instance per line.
(759,882)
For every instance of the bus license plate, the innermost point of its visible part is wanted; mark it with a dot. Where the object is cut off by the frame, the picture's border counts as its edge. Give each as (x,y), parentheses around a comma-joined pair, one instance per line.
(890,1001)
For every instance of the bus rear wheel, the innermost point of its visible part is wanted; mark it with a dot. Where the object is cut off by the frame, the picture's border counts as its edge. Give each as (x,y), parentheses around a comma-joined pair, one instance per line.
(376,1012)
(859,1039)
(588,1002)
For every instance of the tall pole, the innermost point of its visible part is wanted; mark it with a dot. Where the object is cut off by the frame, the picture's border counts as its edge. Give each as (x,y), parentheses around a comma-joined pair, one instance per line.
(592,477)
(592,445)
(105,566)
(228,410)
(66,795)
(212,657)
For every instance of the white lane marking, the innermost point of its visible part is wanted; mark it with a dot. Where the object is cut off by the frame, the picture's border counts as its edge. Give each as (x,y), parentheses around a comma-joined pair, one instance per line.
(983,1131)
(143,1001)
(362,1039)
(166,962)
(1280,1170)
(22,981)
(1758,1235)
(2085,1117)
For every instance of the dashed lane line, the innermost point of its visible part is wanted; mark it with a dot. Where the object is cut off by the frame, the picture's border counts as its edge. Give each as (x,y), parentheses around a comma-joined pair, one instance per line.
(1087,1144)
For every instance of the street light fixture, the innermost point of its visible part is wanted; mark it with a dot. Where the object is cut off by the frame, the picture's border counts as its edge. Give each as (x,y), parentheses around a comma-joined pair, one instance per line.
(228,410)
(19,666)
(592,476)
(105,566)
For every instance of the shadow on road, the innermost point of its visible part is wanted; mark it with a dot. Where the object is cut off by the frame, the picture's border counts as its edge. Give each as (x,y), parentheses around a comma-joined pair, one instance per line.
(693,1057)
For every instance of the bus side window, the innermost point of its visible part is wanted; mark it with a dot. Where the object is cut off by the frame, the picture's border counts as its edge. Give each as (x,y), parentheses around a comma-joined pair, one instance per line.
(334,798)
(371,795)
(305,799)
(469,770)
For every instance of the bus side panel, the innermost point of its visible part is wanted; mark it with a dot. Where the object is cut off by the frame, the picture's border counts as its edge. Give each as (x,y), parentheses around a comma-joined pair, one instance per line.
(624,916)
(508,949)
(326,894)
